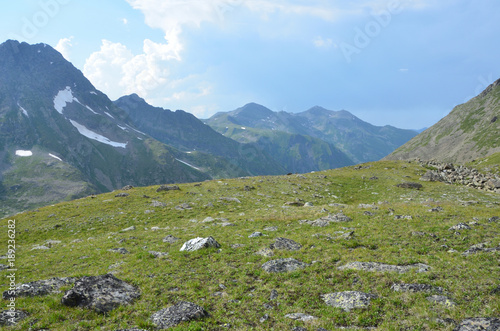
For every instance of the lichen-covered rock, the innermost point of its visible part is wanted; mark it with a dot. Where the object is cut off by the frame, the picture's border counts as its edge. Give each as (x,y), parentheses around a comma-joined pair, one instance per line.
(381,267)
(285,244)
(416,288)
(38,288)
(199,243)
(348,300)
(479,324)
(283,265)
(170,239)
(100,293)
(265,252)
(181,312)
(442,300)
(460,226)
(9,317)
(301,317)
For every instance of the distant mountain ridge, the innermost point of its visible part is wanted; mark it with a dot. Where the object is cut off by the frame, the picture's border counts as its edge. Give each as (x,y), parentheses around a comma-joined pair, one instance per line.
(470,131)
(185,132)
(351,140)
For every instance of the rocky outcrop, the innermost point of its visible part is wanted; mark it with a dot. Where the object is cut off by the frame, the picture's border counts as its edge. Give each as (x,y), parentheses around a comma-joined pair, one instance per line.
(285,244)
(9,317)
(348,300)
(479,324)
(451,174)
(37,288)
(283,265)
(100,293)
(181,312)
(381,267)
(199,243)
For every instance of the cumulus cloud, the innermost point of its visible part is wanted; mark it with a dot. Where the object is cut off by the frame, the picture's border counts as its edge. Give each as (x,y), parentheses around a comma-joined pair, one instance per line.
(321,42)
(64,47)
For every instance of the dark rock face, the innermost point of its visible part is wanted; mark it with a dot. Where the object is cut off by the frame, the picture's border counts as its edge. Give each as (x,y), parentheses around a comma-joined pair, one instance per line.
(37,288)
(100,293)
(479,324)
(8,317)
(285,244)
(284,265)
(181,312)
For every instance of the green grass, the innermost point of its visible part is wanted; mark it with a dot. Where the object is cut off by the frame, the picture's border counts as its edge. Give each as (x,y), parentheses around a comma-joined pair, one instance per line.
(196,276)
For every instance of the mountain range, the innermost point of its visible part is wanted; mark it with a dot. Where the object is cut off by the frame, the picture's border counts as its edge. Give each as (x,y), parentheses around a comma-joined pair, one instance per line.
(61,138)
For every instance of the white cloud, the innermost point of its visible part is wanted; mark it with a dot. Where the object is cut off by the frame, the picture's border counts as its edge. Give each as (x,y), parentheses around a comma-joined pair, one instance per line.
(64,47)
(124,21)
(321,42)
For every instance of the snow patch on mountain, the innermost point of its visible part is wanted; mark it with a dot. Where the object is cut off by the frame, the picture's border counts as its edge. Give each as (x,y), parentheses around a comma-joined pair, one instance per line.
(55,157)
(95,136)
(62,98)
(109,114)
(189,165)
(22,153)
(25,112)
(91,109)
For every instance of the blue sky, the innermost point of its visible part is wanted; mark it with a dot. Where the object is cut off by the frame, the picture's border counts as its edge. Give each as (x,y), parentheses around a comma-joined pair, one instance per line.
(405,63)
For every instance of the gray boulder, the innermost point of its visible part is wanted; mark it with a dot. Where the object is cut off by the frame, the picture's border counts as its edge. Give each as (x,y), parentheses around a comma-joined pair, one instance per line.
(10,318)
(348,300)
(285,244)
(100,293)
(301,317)
(181,312)
(381,267)
(199,243)
(416,288)
(479,324)
(170,239)
(284,265)
(38,288)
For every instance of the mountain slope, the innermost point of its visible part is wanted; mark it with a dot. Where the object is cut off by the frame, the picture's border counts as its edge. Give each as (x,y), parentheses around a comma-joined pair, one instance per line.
(470,131)
(47,105)
(187,133)
(398,247)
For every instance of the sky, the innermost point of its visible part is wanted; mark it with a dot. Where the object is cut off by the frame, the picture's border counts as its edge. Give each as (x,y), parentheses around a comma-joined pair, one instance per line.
(405,63)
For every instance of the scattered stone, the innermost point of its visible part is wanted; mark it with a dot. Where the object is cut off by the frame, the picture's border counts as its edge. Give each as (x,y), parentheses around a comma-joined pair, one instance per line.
(158,204)
(3,267)
(308,204)
(230,199)
(132,228)
(235,246)
(274,295)
(199,243)
(416,288)
(264,318)
(183,206)
(255,235)
(267,252)
(164,188)
(348,300)
(100,293)
(326,220)
(301,317)
(410,185)
(285,244)
(479,324)
(122,195)
(10,318)
(39,247)
(127,187)
(403,217)
(432,176)
(441,300)
(381,267)
(493,219)
(120,250)
(224,224)
(38,288)
(480,248)
(208,220)
(460,226)
(284,265)
(271,228)
(158,254)
(295,203)
(182,311)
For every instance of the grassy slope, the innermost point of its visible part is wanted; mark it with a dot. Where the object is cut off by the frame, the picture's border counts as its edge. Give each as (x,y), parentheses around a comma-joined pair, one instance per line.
(196,276)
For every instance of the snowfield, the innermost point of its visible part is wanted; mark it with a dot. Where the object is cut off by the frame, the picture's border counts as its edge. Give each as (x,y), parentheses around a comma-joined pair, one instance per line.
(63,98)
(55,157)
(95,136)
(20,152)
